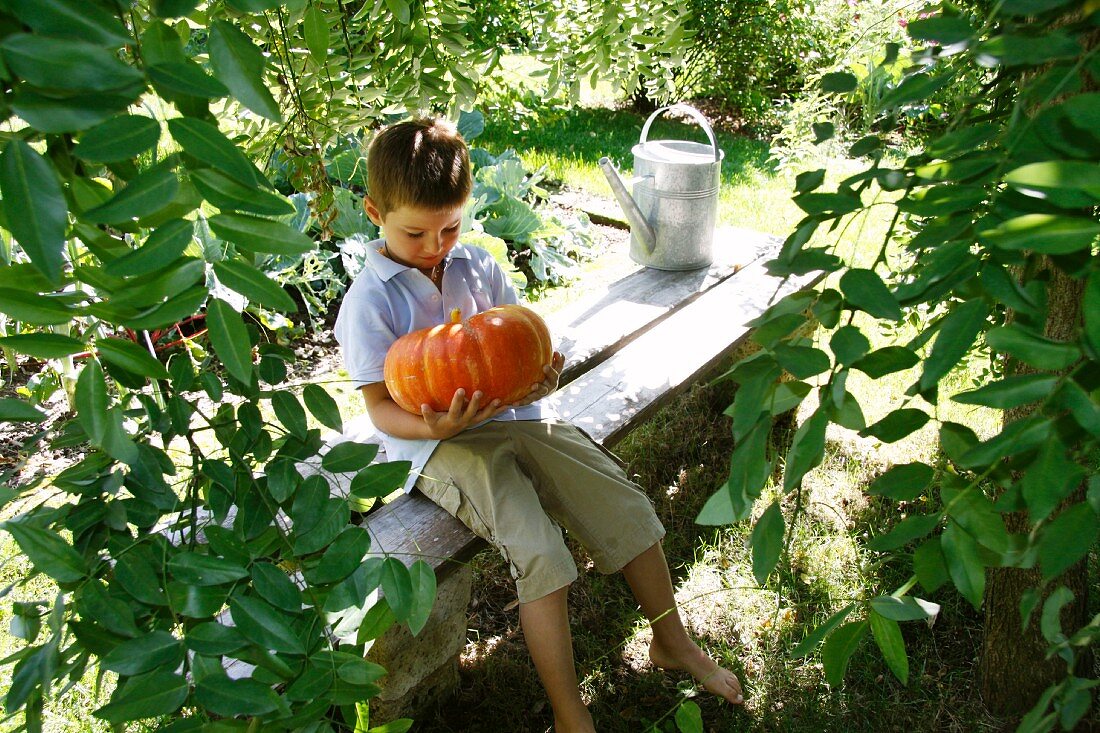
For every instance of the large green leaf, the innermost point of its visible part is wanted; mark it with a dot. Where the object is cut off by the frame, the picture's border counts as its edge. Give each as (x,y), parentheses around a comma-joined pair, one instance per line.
(263,625)
(30,186)
(1044,233)
(1010,392)
(55,63)
(1031,348)
(144,654)
(48,552)
(130,357)
(1019,50)
(886,360)
(290,413)
(229,195)
(229,697)
(964,563)
(206,143)
(349,456)
(43,345)
(163,247)
(897,424)
(323,407)
(34,308)
(276,587)
(148,696)
(253,284)
(119,138)
(342,557)
(915,89)
(256,234)
(147,193)
(14,410)
(810,642)
(1067,539)
(1091,312)
(838,649)
(379,480)
(944,30)
(767,542)
(316,34)
(807,449)
(92,401)
(911,528)
(71,113)
(423,594)
(849,344)
(1050,477)
(903,482)
(865,290)
(838,82)
(73,19)
(904,608)
(239,64)
(887,635)
(185,77)
(195,568)
(397,587)
(229,337)
(958,331)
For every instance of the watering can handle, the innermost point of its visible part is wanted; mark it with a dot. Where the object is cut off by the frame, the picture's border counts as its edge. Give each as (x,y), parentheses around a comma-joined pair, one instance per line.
(695,114)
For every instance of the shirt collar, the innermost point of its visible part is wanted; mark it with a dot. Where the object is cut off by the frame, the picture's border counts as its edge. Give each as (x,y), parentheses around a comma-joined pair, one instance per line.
(387,268)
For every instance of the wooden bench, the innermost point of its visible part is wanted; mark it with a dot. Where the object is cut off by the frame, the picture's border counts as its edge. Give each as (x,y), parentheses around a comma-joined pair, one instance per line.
(628,351)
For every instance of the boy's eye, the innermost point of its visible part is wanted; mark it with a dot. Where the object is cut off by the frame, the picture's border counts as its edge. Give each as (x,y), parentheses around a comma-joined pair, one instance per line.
(415,235)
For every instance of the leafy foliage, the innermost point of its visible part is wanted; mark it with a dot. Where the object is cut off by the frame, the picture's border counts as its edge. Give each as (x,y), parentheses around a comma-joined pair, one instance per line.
(995,230)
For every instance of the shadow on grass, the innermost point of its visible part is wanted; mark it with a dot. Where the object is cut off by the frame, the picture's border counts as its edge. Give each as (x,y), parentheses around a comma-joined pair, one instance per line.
(587,133)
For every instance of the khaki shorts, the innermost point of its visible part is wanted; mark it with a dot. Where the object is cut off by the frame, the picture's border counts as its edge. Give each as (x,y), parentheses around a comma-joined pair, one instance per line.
(518,483)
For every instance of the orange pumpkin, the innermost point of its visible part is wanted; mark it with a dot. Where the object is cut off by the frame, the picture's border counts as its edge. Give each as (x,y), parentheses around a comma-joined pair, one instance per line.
(500,351)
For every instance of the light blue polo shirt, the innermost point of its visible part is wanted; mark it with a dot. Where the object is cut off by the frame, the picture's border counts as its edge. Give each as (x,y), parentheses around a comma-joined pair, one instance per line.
(388,300)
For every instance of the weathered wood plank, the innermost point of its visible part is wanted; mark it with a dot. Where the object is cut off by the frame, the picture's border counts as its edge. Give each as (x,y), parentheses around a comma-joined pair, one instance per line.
(611,399)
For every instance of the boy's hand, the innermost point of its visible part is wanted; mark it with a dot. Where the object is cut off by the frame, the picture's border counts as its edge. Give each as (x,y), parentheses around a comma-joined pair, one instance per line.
(460,415)
(546,386)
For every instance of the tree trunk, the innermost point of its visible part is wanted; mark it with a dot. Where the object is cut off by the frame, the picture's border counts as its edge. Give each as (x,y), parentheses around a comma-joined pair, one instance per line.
(1014,669)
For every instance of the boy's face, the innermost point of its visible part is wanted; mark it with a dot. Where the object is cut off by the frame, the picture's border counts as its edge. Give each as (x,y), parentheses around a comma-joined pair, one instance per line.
(417,237)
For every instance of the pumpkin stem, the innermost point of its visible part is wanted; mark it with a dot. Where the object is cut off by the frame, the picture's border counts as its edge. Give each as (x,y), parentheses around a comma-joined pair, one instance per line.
(456,315)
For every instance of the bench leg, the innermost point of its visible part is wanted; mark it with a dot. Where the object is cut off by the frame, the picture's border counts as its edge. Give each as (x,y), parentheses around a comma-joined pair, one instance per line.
(423,669)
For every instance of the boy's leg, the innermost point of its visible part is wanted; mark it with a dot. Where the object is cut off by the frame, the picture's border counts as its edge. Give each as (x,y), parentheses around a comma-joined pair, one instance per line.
(672,648)
(545,624)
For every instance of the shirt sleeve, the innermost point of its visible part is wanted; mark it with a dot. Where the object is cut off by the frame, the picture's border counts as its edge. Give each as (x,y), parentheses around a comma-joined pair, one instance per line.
(365,335)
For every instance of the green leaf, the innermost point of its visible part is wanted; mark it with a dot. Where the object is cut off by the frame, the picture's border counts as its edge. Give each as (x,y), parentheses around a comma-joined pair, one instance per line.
(232,697)
(1067,539)
(958,331)
(14,410)
(827,204)
(43,345)
(849,344)
(206,143)
(1030,348)
(119,138)
(255,234)
(263,625)
(283,479)
(422,578)
(349,456)
(897,425)
(1010,392)
(147,193)
(886,360)
(944,30)
(807,449)
(253,284)
(838,81)
(1090,307)
(229,337)
(823,131)
(71,113)
(914,89)
(214,638)
(907,530)
(145,653)
(161,249)
(802,362)
(290,413)
(240,66)
(1043,233)
(903,482)
(194,568)
(1016,437)
(229,195)
(904,608)
(148,696)
(72,19)
(929,565)
(74,65)
(185,77)
(810,642)
(131,357)
(1050,477)
(887,635)
(1016,50)
(379,480)
(964,563)
(1029,7)
(866,291)
(315,32)
(1051,621)
(92,401)
(838,650)
(323,407)
(48,552)
(767,542)
(37,212)
(275,587)
(33,308)
(342,557)
(397,587)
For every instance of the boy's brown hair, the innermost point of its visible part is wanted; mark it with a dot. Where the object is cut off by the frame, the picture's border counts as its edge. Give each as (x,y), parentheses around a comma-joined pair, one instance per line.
(422,162)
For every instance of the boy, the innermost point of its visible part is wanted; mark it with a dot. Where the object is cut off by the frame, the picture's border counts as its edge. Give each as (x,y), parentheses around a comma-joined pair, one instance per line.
(511,473)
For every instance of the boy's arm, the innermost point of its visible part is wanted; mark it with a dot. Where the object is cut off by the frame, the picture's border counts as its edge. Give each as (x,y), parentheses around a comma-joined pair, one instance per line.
(388,417)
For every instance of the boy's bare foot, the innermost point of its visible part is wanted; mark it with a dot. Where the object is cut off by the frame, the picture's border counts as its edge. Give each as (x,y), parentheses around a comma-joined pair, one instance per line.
(689,658)
(579,723)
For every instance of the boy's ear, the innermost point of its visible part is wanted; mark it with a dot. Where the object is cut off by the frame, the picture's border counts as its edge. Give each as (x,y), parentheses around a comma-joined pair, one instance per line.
(372,211)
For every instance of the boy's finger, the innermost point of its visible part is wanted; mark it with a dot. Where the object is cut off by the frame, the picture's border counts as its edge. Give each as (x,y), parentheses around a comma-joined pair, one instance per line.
(458,402)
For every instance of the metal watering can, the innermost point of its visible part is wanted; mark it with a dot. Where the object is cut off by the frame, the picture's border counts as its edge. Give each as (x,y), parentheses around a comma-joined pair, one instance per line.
(675,203)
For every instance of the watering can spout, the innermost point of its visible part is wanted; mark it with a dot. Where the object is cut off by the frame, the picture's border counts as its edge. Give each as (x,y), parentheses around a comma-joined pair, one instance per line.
(638,225)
